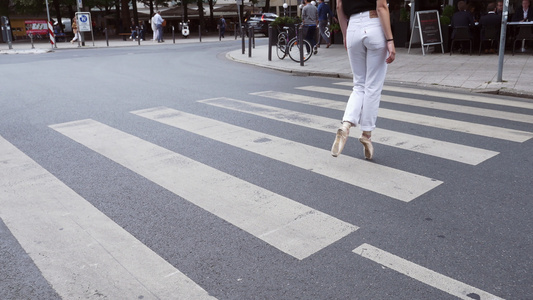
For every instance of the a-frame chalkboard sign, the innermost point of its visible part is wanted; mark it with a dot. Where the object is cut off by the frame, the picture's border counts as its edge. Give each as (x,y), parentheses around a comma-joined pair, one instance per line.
(426,30)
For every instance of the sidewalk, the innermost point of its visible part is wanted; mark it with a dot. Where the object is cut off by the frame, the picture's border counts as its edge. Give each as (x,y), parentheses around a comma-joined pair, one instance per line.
(473,73)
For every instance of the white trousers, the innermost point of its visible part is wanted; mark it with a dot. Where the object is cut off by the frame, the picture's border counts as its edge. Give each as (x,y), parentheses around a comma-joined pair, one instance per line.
(367,51)
(76,36)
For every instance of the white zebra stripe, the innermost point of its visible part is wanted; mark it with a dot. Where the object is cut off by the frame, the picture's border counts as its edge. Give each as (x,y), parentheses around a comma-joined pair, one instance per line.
(380,179)
(476,111)
(450,151)
(291,227)
(442,123)
(78,249)
(429,277)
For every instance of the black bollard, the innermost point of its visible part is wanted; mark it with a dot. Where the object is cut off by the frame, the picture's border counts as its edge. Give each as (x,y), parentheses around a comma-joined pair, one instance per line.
(173,36)
(138,35)
(301,44)
(269,43)
(106,37)
(250,38)
(200,32)
(243,43)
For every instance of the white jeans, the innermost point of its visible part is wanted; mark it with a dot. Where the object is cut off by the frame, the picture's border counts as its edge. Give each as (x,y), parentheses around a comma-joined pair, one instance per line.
(367,51)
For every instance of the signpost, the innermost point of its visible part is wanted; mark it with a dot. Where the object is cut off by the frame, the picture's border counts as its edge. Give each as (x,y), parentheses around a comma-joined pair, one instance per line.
(428,25)
(84,23)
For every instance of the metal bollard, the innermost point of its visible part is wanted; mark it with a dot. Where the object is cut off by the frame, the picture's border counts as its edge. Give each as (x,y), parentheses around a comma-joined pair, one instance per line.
(219,35)
(106,37)
(200,32)
(269,43)
(242,36)
(301,44)
(138,35)
(31,39)
(250,38)
(173,36)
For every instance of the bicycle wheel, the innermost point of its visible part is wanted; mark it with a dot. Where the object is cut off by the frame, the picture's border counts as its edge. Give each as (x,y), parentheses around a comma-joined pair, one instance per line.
(294,50)
(281,46)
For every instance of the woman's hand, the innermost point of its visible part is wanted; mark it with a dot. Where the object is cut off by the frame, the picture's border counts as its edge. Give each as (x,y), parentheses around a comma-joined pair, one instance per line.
(392,52)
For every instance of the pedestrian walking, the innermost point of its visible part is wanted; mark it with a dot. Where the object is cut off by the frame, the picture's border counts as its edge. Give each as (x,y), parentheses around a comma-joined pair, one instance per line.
(324,14)
(75,30)
(154,28)
(368,39)
(159,25)
(222,27)
(310,23)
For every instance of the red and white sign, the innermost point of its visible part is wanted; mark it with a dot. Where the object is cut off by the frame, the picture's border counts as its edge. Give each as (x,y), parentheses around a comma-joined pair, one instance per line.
(36,27)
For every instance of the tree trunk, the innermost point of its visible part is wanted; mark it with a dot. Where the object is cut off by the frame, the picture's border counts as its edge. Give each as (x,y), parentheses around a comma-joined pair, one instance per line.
(125,15)
(211,17)
(267,6)
(58,15)
(201,14)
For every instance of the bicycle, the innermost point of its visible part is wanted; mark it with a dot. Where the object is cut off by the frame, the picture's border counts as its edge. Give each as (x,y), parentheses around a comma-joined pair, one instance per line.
(291,47)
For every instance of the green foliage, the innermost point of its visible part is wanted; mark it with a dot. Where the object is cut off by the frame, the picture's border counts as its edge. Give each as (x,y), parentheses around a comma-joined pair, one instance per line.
(334,27)
(285,21)
(444,20)
(447,13)
(404,15)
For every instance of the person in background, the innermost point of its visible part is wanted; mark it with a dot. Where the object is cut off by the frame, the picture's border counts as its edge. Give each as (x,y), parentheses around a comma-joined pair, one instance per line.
(159,24)
(142,29)
(133,29)
(324,13)
(491,19)
(522,14)
(499,8)
(75,30)
(154,28)
(462,18)
(222,26)
(368,39)
(310,22)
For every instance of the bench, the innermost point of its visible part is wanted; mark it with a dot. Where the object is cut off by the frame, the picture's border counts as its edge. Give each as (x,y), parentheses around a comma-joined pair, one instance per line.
(60,37)
(125,35)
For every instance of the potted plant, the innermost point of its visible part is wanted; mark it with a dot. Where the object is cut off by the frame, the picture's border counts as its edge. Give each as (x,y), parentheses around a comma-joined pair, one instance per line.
(401,28)
(334,27)
(280,22)
(445,21)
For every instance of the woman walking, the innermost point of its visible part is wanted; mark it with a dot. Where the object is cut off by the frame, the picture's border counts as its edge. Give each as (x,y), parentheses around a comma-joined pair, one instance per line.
(367,33)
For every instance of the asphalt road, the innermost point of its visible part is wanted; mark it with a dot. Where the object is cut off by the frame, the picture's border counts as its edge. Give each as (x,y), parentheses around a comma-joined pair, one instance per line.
(170,172)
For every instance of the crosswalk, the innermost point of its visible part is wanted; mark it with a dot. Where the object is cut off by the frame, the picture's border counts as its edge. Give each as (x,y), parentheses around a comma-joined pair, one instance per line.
(84,239)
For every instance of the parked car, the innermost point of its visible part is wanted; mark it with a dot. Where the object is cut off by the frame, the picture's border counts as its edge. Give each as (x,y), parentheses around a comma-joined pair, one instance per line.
(260,22)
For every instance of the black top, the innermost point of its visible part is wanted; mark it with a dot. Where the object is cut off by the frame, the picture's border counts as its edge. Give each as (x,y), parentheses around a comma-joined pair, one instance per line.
(351,7)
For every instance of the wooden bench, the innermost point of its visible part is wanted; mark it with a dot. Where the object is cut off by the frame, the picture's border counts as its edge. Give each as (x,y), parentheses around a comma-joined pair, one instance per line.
(60,36)
(125,35)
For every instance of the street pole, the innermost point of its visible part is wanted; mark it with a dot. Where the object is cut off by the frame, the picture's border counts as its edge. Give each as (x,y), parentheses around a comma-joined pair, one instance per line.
(47,25)
(502,39)
(82,36)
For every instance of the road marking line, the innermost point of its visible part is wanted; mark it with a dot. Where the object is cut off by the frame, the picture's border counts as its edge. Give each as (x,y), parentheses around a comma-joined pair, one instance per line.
(476,111)
(430,121)
(455,96)
(422,274)
(451,151)
(78,249)
(291,227)
(384,180)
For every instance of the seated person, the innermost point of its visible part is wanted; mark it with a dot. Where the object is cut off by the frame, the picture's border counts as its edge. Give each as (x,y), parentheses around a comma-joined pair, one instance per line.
(133,30)
(522,14)
(141,30)
(462,18)
(491,19)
